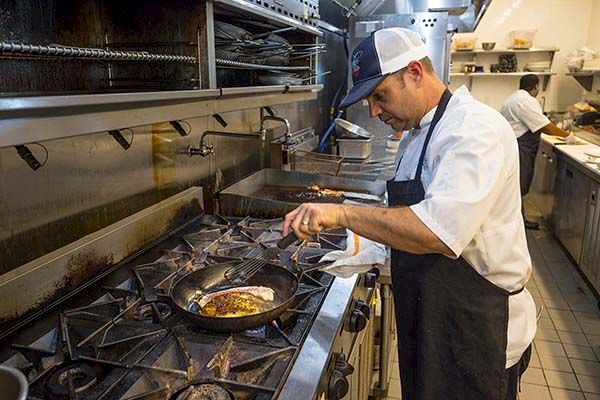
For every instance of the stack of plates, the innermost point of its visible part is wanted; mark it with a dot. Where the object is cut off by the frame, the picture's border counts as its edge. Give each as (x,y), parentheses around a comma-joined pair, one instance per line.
(539,66)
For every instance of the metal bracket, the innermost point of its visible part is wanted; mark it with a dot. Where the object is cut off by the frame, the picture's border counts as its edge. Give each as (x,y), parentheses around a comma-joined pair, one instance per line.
(220,120)
(118,136)
(269,111)
(177,126)
(28,157)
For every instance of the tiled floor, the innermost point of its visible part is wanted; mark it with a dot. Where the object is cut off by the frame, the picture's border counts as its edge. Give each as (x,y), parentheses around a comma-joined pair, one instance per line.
(565,363)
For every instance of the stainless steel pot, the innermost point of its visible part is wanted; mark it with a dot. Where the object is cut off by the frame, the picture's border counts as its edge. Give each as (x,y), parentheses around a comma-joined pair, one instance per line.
(13,383)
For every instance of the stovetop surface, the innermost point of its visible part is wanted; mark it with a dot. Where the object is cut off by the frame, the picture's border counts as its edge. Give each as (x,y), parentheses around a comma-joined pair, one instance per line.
(123,338)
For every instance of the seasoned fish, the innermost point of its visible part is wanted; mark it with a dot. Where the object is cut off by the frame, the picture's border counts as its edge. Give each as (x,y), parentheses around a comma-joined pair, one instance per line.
(237,302)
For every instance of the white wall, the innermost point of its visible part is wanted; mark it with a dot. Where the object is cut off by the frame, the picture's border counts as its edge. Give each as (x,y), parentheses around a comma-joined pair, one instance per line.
(565,24)
(593,41)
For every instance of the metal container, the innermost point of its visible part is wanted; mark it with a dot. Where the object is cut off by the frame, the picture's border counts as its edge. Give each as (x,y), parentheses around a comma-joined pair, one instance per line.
(355,148)
(267,193)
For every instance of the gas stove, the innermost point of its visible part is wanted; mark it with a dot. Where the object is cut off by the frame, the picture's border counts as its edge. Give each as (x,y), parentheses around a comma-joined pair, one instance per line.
(122,338)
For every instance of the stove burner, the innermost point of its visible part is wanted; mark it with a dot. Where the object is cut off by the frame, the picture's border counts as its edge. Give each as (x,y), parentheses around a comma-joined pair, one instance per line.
(81,376)
(145,313)
(203,392)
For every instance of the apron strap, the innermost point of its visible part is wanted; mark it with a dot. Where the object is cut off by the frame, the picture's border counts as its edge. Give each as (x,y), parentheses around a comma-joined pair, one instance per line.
(443,103)
(441,108)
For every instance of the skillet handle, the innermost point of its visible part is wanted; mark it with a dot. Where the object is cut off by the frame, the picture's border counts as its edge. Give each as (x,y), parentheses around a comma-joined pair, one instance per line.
(286,241)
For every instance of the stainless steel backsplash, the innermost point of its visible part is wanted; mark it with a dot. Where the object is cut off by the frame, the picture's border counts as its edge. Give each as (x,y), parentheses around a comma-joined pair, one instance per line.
(90,182)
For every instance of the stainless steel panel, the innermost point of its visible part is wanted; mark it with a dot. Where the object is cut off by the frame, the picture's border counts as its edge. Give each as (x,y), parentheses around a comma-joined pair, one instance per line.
(571,203)
(59,272)
(541,191)
(590,257)
(431,27)
(29,120)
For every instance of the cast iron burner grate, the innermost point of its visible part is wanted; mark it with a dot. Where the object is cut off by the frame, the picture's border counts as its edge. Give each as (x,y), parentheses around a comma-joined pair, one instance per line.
(124,339)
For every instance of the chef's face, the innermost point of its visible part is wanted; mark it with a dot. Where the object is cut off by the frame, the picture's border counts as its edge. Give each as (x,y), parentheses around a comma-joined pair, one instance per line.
(398,101)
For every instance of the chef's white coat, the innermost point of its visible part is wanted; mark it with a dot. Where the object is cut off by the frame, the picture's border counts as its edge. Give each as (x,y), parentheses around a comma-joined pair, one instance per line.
(473,201)
(524,113)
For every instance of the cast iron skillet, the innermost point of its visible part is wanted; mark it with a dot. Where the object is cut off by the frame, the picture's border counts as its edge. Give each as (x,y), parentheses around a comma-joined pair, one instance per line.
(282,281)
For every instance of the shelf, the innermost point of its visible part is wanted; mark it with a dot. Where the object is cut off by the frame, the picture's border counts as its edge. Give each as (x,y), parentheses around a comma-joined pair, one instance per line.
(585,78)
(532,50)
(470,75)
(26,120)
(546,75)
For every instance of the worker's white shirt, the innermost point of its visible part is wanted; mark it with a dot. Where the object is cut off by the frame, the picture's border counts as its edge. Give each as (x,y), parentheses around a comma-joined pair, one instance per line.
(473,201)
(524,113)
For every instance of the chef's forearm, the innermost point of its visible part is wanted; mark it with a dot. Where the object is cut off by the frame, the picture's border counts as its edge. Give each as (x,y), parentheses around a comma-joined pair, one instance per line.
(397,227)
(554,130)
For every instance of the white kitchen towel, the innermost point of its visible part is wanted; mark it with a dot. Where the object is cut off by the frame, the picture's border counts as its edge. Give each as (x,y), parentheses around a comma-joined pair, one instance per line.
(361,255)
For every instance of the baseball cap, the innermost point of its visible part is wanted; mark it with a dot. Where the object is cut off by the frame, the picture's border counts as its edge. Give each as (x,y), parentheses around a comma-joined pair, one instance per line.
(379,55)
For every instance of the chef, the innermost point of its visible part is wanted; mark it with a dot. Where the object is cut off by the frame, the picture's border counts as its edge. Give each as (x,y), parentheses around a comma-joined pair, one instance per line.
(459,256)
(524,113)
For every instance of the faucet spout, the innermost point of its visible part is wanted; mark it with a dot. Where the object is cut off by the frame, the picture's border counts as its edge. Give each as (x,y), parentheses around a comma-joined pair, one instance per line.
(284,121)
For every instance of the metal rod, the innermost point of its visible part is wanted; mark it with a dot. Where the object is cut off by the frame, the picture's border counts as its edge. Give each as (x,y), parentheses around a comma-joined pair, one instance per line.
(107,324)
(89,53)
(141,336)
(242,65)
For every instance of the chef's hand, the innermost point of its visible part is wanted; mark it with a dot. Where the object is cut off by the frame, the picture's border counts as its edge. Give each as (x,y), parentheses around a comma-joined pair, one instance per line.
(310,218)
(571,139)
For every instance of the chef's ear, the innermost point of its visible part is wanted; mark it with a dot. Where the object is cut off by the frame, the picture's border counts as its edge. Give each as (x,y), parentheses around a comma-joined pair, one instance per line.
(415,71)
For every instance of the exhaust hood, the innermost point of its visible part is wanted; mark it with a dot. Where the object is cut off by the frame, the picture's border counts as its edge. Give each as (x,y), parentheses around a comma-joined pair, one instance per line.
(463,15)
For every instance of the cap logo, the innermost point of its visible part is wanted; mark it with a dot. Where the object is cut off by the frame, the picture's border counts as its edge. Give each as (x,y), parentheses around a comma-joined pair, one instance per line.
(355,63)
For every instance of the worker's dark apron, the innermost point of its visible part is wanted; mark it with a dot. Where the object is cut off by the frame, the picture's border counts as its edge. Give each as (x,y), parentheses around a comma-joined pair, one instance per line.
(529,143)
(452,322)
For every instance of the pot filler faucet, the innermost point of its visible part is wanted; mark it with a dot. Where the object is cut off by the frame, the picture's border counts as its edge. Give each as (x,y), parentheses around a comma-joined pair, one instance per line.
(204,149)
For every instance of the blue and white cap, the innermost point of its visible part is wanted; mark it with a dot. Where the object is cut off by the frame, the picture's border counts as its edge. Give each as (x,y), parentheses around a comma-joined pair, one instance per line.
(379,55)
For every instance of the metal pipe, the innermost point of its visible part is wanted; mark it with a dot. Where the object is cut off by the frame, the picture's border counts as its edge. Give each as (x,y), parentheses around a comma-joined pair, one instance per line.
(242,65)
(89,53)
(263,131)
(208,149)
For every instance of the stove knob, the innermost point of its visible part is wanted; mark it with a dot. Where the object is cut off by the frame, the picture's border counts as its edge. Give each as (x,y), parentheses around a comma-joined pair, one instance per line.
(358,321)
(342,365)
(371,278)
(364,308)
(338,386)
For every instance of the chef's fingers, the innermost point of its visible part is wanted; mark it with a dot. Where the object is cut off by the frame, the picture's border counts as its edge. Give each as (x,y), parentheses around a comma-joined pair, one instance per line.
(299,220)
(316,221)
(289,218)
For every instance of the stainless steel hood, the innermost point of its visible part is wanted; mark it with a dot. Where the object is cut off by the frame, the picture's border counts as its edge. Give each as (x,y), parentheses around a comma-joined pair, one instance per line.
(463,15)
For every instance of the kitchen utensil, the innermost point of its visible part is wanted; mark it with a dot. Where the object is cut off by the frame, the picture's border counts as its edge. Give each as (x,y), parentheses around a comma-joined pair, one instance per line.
(245,270)
(488,45)
(13,383)
(348,130)
(361,196)
(185,291)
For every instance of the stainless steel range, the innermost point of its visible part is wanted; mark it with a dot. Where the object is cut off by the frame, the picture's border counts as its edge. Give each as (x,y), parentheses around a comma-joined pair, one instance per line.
(122,338)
